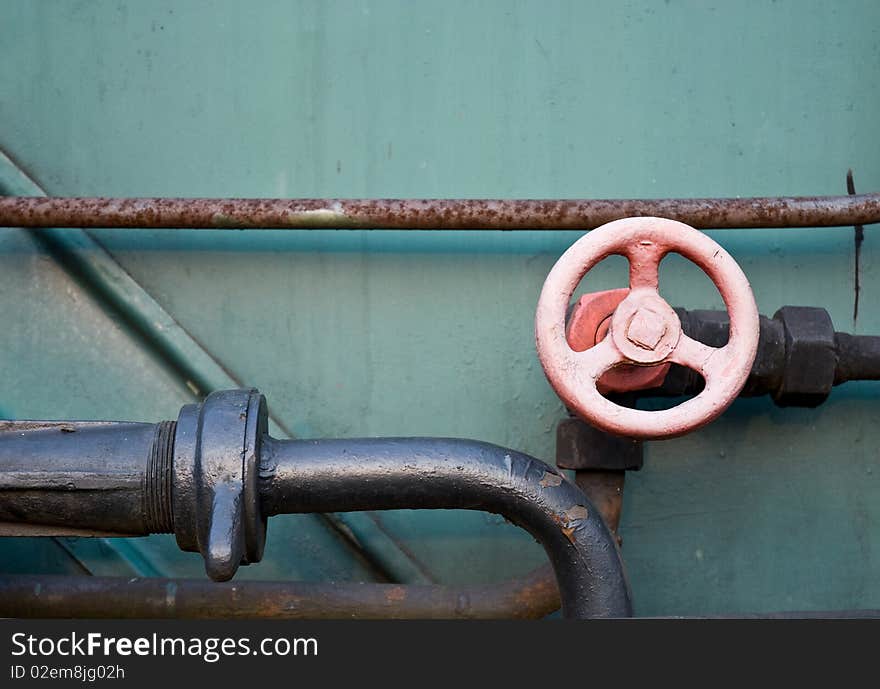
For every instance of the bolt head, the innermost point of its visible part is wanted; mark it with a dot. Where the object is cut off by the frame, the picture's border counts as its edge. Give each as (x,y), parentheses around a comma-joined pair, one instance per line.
(645,329)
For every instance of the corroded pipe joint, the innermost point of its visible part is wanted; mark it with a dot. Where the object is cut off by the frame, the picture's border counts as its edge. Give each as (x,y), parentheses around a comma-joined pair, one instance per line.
(216,501)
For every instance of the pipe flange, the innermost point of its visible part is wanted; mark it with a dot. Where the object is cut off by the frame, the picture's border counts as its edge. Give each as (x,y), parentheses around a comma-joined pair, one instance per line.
(216,471)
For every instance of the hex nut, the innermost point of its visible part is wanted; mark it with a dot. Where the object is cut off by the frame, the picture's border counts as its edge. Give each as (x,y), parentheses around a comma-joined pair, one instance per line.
(810,356)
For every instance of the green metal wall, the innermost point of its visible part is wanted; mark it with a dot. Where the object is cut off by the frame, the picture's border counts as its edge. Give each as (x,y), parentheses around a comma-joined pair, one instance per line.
(360,333)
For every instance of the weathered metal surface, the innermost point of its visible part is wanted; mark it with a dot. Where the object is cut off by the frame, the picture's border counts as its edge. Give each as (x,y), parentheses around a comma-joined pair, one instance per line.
(604,488)
(858,357)
(223,475)
(531,597)
(87,476)
(216,465)
(582,446)
(858,240)
(434,214)
(90,262)
(55,596)
(644,328)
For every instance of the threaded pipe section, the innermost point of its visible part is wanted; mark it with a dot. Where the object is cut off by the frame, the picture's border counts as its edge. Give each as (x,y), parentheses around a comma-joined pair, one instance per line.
(158,515)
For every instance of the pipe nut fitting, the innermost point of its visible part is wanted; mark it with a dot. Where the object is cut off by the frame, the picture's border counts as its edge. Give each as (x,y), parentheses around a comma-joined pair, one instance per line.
(810,356)
(216,473)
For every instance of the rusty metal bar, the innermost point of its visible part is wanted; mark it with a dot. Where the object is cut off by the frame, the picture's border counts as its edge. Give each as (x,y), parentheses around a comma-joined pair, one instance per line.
(58,596)
(531,597)
(433,214)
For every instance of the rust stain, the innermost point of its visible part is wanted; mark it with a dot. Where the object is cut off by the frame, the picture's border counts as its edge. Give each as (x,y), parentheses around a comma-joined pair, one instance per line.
(423,214)
(551,480)
(395,594)
(576,512)
(569,533)
(63,426)
(537,601)
(573,514)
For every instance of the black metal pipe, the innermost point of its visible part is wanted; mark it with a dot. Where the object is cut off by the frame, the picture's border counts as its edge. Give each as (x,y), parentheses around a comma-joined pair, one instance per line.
(858,357)
(401,473)
(88,476)
(434,214)
(800,356)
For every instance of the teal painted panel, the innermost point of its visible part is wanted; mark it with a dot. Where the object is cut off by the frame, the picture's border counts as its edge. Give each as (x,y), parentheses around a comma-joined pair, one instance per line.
(431,333)
(65,357)
(37,556)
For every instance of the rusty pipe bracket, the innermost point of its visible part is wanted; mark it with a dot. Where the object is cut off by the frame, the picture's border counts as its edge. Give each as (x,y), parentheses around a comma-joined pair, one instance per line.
(582,447)
(216,501)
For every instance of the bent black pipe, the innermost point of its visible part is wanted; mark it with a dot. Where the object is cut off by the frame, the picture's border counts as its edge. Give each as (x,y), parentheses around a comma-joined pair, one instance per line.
(215,476)
(407,473)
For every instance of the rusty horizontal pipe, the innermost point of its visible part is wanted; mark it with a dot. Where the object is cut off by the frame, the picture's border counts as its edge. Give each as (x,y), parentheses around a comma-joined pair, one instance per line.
(55,596)
(433,214)
(58,596)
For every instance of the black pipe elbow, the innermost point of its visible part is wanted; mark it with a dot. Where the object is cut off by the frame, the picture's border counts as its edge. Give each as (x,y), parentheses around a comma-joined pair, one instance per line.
(214,476)
(433,473)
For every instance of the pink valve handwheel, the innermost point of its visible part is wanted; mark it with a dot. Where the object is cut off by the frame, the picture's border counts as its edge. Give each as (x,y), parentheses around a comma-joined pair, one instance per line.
(645,331)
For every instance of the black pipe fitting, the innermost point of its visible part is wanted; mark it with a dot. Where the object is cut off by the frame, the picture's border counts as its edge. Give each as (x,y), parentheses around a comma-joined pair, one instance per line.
(580,446)
(810,356)
(216,505)
(215,475)
(800,356)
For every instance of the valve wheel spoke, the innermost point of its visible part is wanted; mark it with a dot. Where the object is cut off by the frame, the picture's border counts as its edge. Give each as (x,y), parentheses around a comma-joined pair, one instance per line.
(644,265)
(696,356)
(593,362)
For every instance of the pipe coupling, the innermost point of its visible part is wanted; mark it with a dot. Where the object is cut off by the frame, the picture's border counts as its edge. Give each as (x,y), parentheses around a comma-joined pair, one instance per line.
(216,467)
